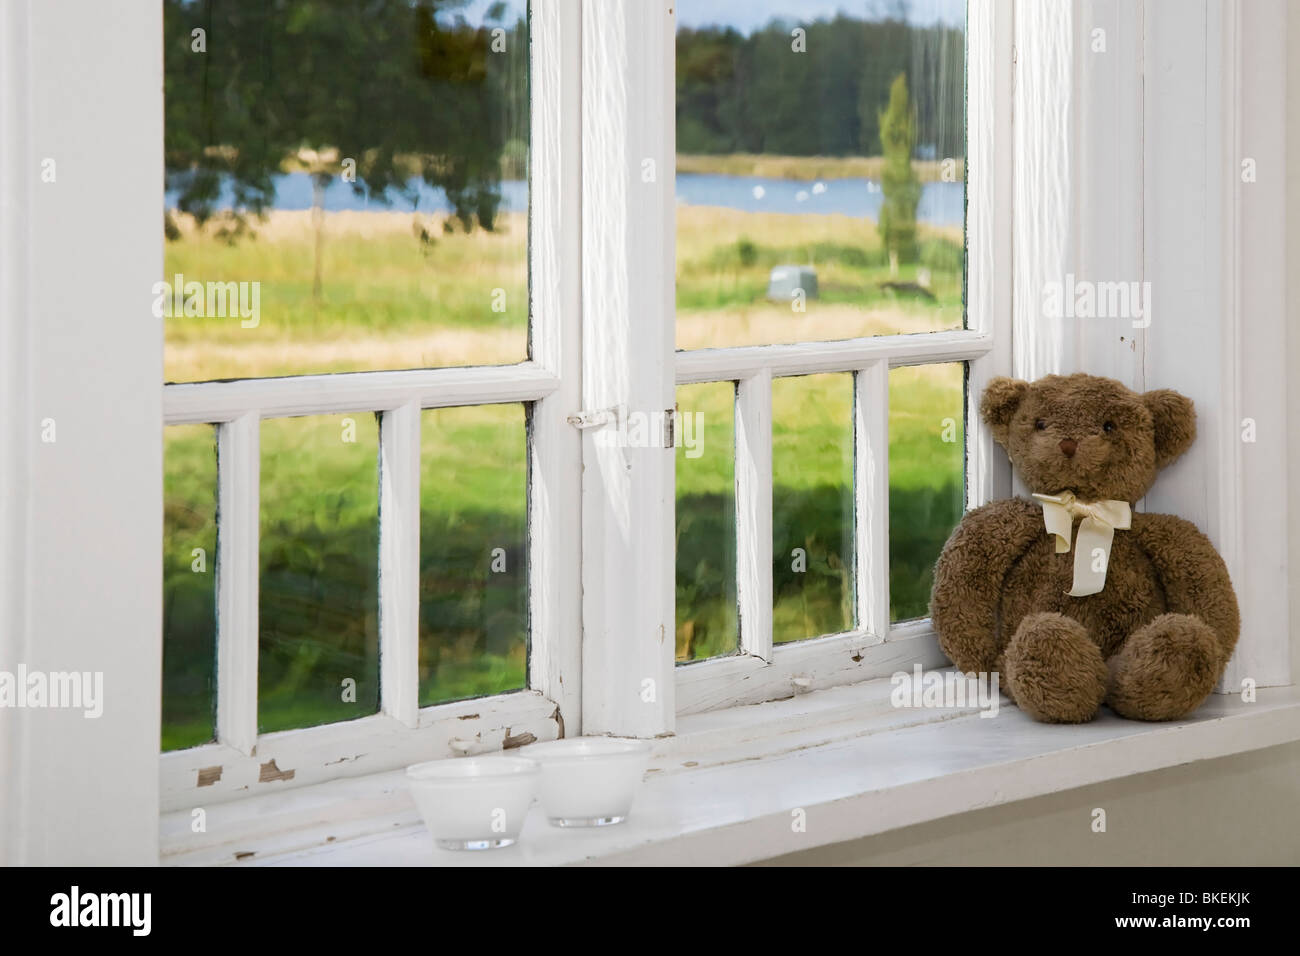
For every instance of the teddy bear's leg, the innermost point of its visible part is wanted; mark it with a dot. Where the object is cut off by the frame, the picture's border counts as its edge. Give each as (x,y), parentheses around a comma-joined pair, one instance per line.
(1053,670)
(1165,669)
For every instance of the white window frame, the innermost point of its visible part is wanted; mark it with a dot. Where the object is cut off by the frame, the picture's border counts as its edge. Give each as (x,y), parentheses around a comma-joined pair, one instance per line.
(241,761)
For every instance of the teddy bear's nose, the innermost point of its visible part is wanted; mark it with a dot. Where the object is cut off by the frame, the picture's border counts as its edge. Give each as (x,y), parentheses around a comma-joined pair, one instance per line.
(1069,446)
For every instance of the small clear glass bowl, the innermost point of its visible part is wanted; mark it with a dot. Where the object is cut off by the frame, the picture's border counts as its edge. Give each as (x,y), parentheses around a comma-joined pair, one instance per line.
(474,803)
(589,781)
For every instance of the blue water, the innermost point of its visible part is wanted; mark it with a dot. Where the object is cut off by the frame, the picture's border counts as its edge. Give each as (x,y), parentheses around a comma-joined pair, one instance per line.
(942,204)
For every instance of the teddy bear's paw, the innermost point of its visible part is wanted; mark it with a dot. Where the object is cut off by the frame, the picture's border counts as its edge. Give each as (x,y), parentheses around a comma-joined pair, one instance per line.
(1165,669)
(1054,671)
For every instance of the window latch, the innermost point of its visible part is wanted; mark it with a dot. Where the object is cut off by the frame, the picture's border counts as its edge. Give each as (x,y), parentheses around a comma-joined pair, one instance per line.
(638,429)
(596,419)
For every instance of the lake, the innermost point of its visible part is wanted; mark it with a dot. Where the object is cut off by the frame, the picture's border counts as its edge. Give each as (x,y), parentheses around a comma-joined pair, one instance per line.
(942,204)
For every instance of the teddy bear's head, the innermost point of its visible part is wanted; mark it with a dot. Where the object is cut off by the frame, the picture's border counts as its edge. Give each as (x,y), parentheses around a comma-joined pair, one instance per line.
(1087,434)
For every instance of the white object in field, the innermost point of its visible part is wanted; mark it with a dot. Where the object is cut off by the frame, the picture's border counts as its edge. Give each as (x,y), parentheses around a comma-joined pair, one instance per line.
(784,280)
(923,277)
(590,781)
(474,803)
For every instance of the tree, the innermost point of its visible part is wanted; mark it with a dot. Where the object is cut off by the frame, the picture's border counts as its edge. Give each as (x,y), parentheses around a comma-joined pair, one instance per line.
(406,89)
(899,182)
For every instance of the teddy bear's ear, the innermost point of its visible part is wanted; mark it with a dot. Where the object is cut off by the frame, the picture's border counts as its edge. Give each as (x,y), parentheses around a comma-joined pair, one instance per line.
(1174,417)
(1002,396)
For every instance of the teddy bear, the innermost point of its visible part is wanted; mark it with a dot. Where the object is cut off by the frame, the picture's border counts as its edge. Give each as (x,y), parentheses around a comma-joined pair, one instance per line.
(1137,611)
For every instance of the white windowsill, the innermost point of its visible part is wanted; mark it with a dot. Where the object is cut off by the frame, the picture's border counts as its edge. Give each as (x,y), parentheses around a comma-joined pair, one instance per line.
(723,791)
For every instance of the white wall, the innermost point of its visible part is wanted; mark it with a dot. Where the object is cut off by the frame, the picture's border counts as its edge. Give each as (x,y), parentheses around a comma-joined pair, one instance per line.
(81,84)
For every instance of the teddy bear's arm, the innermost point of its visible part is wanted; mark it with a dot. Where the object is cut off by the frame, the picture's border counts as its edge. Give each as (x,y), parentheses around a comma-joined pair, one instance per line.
(969,575)
(1194,577)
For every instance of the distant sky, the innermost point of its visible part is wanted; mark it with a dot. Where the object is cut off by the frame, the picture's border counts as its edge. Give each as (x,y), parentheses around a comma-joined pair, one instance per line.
(749,15)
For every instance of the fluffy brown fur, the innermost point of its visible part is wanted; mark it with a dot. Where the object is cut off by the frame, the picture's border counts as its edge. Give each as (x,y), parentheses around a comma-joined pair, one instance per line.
(1152,644)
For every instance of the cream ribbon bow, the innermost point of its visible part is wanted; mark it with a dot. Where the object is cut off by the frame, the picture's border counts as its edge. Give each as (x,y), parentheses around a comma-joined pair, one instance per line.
(1096,532)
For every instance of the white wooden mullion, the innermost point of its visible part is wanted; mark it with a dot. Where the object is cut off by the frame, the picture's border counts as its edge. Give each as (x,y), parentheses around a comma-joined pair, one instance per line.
(871,499)
(399,563)
(205,402)
(810,358)
(990,70)
(555,283)
(239,464)
(628,288)
(754,513)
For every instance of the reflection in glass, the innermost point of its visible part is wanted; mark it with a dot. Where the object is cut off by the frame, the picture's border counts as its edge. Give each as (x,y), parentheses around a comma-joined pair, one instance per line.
(820,171)
(927,481)
(473,554)
(706,521)
(812,506)
(189,586)
(318,657)
(346,186)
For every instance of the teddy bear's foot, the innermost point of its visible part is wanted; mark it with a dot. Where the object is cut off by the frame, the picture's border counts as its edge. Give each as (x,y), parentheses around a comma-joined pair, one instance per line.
(1165,669)
(1054,671)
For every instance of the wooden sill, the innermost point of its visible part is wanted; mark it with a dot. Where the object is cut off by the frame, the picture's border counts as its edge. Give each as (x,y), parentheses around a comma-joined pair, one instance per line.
(724,791)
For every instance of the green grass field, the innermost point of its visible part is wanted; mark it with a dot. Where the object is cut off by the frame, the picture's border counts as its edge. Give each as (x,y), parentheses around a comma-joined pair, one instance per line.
(392,299)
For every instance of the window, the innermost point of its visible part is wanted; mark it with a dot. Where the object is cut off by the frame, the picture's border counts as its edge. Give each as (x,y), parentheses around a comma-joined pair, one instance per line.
(365,499)
(382,541)
(821,224)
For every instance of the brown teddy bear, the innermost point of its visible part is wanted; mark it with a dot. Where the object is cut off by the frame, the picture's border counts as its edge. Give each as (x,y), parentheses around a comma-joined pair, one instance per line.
(1137,611)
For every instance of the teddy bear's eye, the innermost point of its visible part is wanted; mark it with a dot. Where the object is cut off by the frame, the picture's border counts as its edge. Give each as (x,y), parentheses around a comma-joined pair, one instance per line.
(1040,424)
(1108,427)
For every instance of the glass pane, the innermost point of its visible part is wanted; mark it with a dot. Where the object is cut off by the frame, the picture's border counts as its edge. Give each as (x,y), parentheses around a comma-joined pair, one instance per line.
(812,506)
(927,478)
(346,186)
(820,170)
(473,557)
(706,521)
(189,684)
(318,659)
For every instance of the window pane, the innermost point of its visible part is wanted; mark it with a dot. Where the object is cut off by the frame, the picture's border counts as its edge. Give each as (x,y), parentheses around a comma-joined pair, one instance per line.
(706,521)
(820,171)
(473,558)
(357,173)
(189,684)
(812,506)
(927,479)
(318,659)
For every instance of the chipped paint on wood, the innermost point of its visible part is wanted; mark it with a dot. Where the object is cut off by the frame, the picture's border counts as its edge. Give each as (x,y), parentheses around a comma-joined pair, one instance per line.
(517,740)
(270,773)
(352,748)
(209,775)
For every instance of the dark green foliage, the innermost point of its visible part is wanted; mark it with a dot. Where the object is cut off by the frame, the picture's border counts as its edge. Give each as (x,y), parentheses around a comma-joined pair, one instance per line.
(899,183)
(753,94)
(404,87)
(920,520)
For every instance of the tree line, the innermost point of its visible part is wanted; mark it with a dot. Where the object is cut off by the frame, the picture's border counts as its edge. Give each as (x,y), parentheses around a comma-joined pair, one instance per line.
(819,93)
